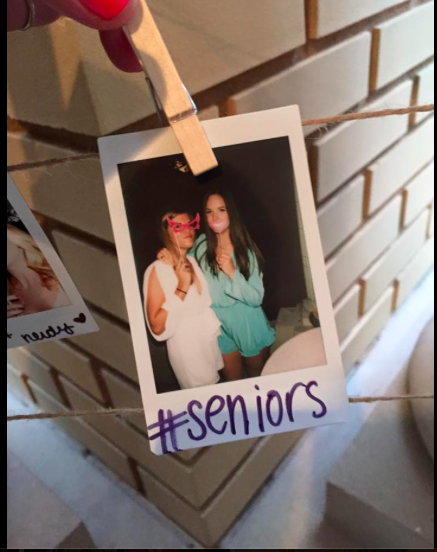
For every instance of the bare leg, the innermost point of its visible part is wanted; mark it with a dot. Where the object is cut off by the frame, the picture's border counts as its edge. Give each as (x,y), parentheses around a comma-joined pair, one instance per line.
(255,365)
(233,370)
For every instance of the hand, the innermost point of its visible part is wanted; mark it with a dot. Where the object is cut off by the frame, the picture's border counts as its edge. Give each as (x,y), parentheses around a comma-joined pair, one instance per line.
(226,265)
(14,307)
(166,257)
(185,273)
(107,17)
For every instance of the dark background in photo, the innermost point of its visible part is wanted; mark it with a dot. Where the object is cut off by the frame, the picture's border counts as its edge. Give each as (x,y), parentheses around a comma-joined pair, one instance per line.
(261,179)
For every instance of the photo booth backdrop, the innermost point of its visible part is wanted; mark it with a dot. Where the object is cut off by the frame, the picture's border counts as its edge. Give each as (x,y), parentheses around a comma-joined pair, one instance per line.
(261,179)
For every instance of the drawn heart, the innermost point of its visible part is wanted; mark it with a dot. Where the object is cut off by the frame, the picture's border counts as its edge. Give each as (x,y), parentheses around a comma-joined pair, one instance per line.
(81,319)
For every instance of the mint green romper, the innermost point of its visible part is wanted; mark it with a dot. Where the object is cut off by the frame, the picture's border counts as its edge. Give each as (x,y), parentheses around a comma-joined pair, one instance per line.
(238,305)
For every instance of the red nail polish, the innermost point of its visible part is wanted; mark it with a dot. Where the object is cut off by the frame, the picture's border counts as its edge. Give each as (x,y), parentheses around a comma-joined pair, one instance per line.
(106,9)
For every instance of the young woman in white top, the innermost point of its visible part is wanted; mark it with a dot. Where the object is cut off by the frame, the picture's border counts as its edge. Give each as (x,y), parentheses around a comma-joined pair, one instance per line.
(178,307)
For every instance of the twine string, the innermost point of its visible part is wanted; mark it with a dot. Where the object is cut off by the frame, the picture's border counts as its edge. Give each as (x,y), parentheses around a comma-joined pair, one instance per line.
(308,122)
(124,412)
(369,115)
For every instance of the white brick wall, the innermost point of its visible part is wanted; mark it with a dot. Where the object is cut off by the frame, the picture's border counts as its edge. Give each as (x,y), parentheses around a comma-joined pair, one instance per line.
(216,40)
(111,345)
(431,221)
(419,194)
(347,207)
(351,146)
(328,17)
(401,44)
(424,91)
(414,272)
(382,274)
(392,171)
(36,370)
(362,336)
(362,249)
(72,363)
(347,312)
(343,70)
(59,194)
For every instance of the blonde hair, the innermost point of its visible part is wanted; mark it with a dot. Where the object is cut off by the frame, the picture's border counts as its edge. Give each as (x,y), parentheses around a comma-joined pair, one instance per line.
(34,257)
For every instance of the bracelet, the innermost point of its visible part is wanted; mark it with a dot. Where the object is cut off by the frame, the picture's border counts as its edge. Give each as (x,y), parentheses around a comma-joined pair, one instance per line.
(182,291)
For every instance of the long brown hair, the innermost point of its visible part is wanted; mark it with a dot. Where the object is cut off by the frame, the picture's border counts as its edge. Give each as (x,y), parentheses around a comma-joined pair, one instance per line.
(240,238)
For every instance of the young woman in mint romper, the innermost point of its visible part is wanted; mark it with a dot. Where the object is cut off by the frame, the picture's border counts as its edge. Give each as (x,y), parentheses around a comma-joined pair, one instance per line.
(233,265)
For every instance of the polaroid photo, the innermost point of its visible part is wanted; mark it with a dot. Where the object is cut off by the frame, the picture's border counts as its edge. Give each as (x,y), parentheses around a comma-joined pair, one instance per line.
(225,283)
(43,303)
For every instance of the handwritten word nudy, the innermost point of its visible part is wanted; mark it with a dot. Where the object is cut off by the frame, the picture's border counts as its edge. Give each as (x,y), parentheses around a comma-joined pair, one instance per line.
(50,333)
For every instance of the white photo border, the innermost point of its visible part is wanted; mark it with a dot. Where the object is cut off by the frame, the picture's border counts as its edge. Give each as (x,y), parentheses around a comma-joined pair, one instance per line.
(331,385)
(39,324)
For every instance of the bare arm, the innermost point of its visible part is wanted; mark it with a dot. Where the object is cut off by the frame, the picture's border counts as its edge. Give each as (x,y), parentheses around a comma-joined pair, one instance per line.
(156,299)
(156,315)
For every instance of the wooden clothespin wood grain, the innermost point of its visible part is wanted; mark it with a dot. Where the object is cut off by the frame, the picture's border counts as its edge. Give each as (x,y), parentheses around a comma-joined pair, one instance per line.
(176,102)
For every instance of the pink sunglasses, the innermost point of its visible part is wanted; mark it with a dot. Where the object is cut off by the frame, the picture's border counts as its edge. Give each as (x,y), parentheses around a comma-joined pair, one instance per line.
(178,227)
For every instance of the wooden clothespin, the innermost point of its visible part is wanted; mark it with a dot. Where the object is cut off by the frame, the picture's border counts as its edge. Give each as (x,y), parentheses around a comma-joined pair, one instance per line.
(177,104)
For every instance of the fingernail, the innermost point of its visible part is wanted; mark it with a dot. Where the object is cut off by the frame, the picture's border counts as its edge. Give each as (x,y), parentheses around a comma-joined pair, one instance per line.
(106,9)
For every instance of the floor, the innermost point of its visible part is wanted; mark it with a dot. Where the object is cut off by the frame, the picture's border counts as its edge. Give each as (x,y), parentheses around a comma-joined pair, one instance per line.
(289,511)
(291,322)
